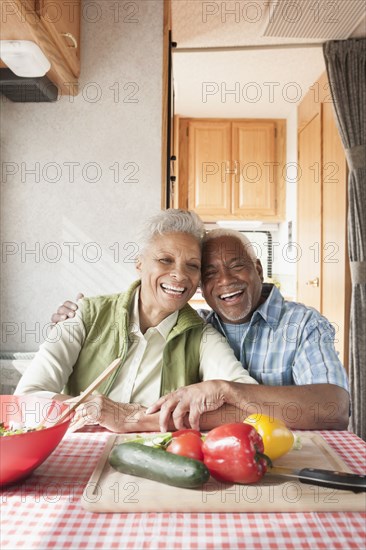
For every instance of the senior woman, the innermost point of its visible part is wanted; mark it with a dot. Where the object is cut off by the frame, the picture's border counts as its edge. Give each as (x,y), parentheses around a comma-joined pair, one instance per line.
(162,341)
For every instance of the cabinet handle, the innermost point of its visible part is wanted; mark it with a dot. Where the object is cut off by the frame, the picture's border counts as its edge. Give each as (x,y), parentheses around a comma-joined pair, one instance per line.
(228,168)
(313,282)
(72,38)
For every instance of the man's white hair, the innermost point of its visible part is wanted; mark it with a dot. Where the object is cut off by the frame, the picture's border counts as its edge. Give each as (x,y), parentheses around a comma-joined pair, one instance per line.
(173,220)
(221,232)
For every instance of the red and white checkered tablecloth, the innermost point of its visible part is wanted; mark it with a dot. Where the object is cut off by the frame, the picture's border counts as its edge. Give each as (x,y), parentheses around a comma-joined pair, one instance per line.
(44,512)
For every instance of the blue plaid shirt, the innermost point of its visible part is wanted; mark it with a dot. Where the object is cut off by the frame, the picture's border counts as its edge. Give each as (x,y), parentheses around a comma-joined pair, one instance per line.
(284,343)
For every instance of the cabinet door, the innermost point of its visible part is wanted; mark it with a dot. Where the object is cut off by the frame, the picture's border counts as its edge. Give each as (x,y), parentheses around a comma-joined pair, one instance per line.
(254,181)
(209,177)
(62,20)
(309,214)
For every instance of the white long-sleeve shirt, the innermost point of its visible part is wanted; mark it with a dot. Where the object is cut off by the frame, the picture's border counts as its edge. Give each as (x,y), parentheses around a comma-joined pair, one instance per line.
(139,379)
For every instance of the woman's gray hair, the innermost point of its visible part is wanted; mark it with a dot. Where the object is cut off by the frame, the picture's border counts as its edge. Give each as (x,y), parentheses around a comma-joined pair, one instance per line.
(173,220)
(221,232)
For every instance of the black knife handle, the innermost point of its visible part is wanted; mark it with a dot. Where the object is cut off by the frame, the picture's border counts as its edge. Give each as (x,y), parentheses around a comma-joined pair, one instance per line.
(334,480)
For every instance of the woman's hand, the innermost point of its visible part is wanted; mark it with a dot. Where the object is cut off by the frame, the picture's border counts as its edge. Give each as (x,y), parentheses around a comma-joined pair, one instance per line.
(102,411)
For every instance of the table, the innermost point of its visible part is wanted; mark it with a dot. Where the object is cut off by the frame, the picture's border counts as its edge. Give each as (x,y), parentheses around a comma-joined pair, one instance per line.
(44,512)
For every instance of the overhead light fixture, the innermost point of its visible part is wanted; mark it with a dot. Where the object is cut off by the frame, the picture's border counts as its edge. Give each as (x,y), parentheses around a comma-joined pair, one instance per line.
(24,58)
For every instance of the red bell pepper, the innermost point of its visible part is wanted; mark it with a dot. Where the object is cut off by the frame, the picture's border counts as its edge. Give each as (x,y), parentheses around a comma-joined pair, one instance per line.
(234,452)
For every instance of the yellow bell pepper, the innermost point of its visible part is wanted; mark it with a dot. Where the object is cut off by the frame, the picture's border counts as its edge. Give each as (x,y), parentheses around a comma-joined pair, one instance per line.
(277,438)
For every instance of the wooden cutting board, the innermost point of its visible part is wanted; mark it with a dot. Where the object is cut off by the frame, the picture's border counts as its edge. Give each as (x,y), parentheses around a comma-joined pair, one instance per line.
(111,491)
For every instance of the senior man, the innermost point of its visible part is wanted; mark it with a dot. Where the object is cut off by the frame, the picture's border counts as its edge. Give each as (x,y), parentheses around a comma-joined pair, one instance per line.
(286,346)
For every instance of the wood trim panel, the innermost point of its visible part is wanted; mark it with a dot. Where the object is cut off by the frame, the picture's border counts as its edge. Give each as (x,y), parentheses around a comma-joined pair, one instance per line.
(175,164)
(165,87)
(183,164)
(281,172)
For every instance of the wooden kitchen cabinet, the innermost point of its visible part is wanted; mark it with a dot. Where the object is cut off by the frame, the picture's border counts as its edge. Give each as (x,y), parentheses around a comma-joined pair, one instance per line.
(323,266)
(209,183)
(254,181)
(55,27)
(62,20)
(232,168)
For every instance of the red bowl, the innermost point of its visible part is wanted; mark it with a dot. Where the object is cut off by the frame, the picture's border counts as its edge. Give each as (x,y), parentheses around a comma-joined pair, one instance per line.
(21,454)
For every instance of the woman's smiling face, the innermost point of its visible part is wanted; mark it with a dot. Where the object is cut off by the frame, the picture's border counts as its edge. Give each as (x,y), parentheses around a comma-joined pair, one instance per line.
(170,270)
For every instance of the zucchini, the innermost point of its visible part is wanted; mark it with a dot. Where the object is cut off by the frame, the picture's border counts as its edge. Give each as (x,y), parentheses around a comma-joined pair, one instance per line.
(159,465)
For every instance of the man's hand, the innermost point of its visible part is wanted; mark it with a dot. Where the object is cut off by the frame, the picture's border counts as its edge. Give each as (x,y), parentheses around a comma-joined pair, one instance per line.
(193,400)
(99,409)
(65,310)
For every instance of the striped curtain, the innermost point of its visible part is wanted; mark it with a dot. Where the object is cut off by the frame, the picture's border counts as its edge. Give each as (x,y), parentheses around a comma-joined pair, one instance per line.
(346,67)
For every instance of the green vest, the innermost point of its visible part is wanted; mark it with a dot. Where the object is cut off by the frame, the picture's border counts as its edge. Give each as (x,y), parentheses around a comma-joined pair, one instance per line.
(106,321)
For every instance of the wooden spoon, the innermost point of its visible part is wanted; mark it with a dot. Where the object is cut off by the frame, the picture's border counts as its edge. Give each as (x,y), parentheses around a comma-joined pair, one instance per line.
(90,389)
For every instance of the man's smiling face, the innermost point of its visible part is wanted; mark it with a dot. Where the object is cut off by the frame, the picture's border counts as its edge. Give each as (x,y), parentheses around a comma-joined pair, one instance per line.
(231,279)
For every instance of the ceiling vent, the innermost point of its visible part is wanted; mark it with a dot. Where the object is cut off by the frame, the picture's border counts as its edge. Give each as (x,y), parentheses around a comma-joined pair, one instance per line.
(322,19)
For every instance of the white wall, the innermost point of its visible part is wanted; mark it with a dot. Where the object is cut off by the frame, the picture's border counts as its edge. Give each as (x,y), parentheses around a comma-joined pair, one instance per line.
(72,227)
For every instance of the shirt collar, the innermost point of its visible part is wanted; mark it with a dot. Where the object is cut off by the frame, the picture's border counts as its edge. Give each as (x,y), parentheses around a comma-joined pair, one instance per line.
(164,327)
(270,310)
